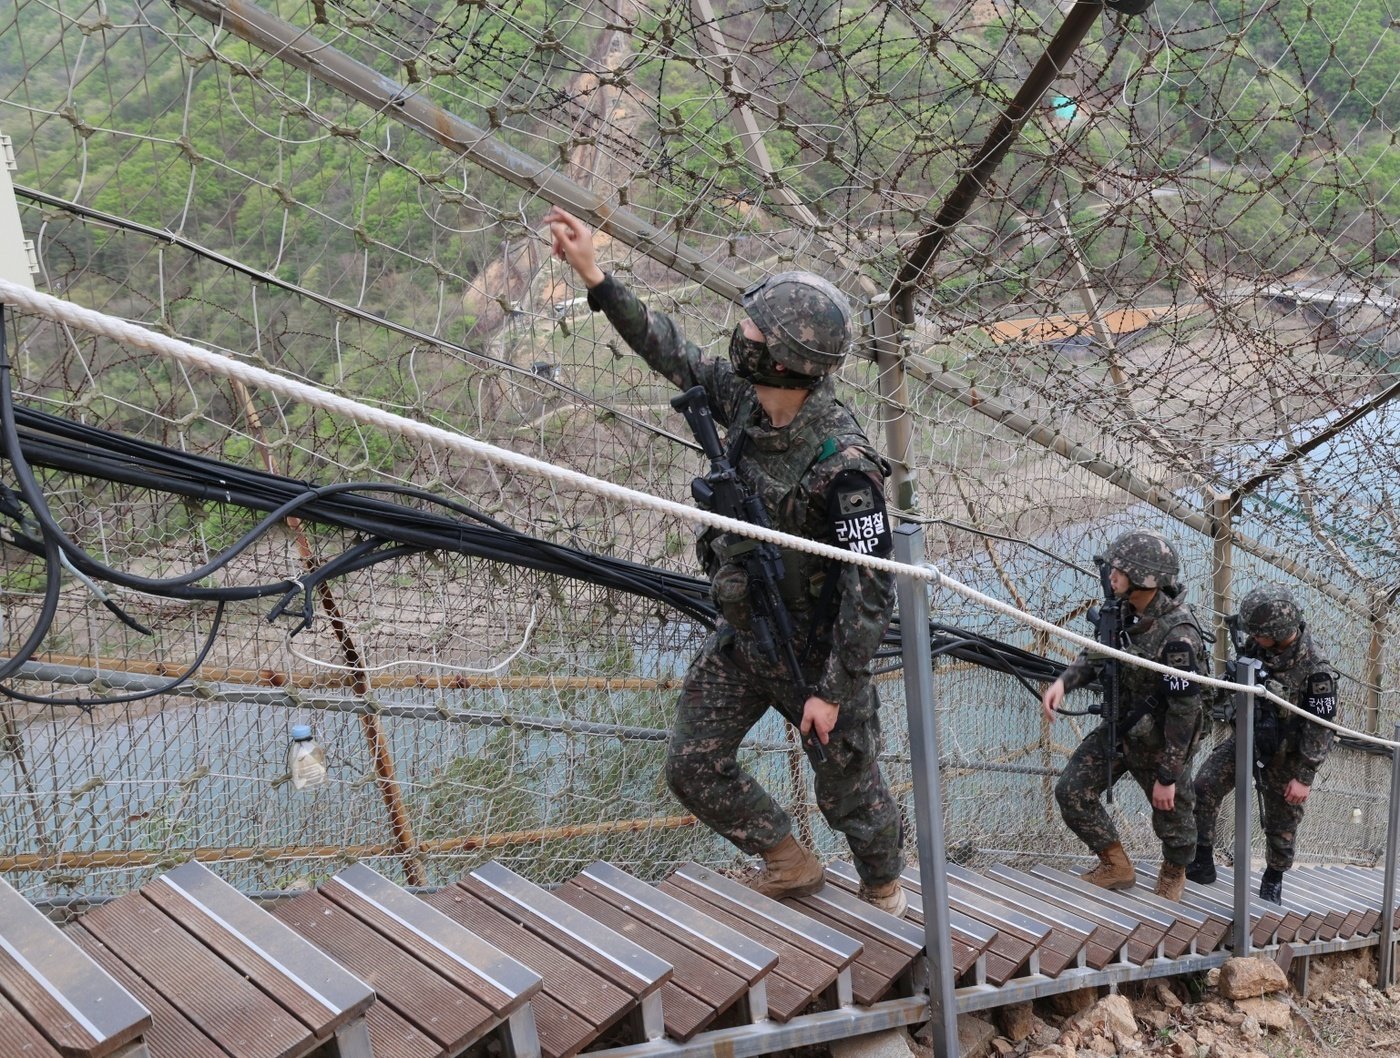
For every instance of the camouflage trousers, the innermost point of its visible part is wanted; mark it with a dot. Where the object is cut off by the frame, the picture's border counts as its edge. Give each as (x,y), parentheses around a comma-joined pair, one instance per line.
(1281,819)
(724,695)
(1085,780)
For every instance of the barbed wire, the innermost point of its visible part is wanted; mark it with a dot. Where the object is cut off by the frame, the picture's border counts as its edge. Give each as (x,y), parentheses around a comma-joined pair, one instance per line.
(1172,306)
(221,366)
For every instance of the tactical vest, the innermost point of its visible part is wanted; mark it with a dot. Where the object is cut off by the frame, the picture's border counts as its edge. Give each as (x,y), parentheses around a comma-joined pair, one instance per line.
(1147,639)
(778,466)
(1275,727)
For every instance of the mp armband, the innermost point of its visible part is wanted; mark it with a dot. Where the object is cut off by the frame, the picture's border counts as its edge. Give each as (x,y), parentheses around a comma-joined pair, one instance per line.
(1321,696)
(858,519)
(1179,654)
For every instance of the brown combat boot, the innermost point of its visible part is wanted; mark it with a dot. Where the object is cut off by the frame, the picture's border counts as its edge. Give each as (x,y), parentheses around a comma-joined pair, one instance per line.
(788,870)
(1171,881)
(889,897)
(1115,870)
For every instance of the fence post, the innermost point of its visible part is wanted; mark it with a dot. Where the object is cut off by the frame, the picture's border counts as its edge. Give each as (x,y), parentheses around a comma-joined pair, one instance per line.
(1222,511)
(1247,671)
(1386,961)
(928,791)
(1375,666)
(888,332)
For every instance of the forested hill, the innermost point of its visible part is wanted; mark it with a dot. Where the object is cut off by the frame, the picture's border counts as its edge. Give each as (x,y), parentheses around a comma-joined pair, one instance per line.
(1275,123)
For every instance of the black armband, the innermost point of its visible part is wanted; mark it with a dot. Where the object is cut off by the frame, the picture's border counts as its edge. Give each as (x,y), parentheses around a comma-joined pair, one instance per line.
(1321,696)
(1165,779)
(856,508)
(1179,654)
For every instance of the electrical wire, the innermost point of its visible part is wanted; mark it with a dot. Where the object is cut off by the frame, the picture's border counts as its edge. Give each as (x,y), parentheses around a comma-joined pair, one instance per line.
(9,439)
(58,444)
(90,703)
(388,530)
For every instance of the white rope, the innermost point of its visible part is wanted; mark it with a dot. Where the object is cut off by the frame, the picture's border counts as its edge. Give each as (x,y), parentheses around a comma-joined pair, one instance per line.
(220,366)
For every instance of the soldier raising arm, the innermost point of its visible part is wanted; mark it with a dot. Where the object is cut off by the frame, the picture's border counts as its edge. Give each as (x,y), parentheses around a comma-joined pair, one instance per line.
(802,453)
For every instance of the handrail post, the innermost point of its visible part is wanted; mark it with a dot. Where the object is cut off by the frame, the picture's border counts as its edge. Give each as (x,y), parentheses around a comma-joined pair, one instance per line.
(928,790)
(1247,670)
(1386,962)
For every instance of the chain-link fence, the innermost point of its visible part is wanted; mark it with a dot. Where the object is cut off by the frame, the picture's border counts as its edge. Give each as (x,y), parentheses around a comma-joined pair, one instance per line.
(1173,305)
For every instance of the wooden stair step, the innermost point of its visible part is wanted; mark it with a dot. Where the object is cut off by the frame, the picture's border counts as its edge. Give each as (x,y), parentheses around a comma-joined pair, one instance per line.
(67,998)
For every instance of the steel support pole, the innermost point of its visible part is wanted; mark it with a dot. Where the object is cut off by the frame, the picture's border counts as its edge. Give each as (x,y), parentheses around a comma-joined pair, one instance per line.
(1222,516)
(977,174)
(928,791)
(1247,672)
(1386,959)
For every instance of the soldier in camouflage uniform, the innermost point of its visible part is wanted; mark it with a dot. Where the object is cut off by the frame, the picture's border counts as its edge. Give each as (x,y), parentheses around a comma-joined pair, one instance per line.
(803,454)
(1288,749)
(1158,723)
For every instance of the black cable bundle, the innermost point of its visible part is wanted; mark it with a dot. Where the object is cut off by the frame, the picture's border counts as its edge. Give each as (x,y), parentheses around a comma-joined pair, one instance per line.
(388,530)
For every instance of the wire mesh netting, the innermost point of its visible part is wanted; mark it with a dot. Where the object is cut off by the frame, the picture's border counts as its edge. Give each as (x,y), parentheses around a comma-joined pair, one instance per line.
(1173,305)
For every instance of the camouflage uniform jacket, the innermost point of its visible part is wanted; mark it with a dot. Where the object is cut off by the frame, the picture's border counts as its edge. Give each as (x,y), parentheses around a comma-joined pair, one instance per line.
(792,469)
(1301,674)
(1171,706)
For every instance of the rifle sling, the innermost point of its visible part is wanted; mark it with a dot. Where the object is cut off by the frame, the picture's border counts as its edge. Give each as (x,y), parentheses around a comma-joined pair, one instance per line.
(737,440)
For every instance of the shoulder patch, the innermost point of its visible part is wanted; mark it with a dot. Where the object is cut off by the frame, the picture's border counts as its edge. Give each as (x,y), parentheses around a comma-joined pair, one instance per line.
(856,508)
(1179,654)
(1320,695)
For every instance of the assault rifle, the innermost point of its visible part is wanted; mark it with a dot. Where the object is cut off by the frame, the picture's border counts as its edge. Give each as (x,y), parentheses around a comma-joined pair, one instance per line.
(722,491)
(1223,707)
(1108,621)
(1268,732)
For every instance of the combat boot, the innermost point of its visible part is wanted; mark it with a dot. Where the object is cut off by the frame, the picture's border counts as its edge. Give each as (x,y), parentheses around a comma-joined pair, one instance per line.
(1171,881)
(889,897)
(1201,870)
(1115,870)
(788,870)
(1271,886)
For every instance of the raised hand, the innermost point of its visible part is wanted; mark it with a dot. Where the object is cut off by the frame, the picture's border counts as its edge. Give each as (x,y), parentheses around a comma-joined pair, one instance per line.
(572,242)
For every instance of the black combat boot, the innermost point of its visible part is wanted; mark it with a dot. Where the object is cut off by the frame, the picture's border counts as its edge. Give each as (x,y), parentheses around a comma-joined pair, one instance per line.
(1201,870)
(1271,886)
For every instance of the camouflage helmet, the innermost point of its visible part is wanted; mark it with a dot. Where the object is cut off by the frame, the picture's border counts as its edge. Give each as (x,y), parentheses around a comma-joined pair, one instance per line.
(1270,611)
(1145,557)
(805,320)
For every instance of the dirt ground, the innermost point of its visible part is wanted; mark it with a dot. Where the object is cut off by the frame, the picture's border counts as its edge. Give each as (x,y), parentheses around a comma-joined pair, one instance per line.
(1343,1016)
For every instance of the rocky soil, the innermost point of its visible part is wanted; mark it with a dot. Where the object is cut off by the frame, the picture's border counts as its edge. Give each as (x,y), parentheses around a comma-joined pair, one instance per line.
(1246,1009)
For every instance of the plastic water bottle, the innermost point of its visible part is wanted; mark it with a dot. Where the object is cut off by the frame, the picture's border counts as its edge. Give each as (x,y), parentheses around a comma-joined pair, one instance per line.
(306,761)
